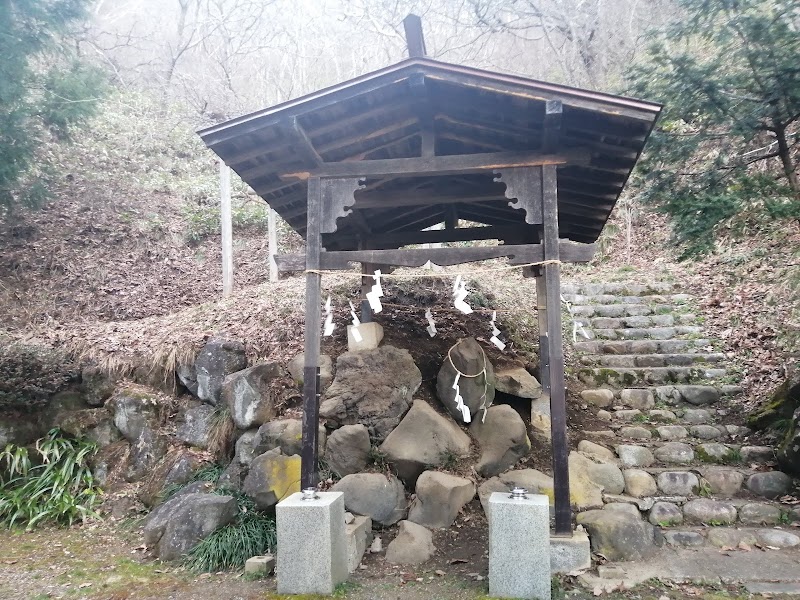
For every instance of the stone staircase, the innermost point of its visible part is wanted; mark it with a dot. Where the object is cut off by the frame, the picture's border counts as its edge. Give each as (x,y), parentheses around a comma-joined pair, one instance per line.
(669,450)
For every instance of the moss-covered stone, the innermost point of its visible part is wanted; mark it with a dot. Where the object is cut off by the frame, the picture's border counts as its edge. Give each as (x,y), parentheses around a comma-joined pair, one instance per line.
(785,400)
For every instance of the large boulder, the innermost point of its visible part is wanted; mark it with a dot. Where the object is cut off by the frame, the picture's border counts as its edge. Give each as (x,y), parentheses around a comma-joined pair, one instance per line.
(412,546)
(248,395)
(95,424)
(503,439)
(423,439)
(19,428)
(297,364)
(181,523)
(97,385)
(218,359)
(347,450)
(466,357)
(619,535)
(286,434)
(135,408)
(373,387)
(175,469)
(789,451)
(195,425)
(440,497)
(516,381)
(375,495)
(145,452)
(235,473)
(584,491)
(532,480)
(271,478)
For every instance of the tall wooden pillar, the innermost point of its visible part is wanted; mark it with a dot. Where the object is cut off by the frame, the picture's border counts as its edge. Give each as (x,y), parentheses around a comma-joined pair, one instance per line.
(310,452)
(551,348)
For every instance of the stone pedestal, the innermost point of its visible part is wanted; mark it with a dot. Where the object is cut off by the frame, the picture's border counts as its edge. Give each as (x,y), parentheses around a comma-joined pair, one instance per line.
(519,546)
(371,336)
(312,546)
(569,554)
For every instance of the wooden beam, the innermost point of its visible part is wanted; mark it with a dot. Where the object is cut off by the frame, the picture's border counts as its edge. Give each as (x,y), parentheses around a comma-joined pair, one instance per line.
(305,142)
(415,39)
(309,453)
(417,257)
(424,112)
(441,165)
(552,125)
(226,227)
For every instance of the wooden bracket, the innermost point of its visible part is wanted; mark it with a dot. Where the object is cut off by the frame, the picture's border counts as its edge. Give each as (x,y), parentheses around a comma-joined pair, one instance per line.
(524,190)
(338,195)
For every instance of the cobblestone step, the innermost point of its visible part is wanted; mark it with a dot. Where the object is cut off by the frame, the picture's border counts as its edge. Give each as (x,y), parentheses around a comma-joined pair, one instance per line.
(588,299)
(732,537)
(645,333)
(643,346)
(630,310)
(652,360)
(620,288)
(628,377)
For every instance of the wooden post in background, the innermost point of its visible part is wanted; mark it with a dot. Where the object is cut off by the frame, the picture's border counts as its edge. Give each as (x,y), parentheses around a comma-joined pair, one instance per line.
(227,228)
(272,238)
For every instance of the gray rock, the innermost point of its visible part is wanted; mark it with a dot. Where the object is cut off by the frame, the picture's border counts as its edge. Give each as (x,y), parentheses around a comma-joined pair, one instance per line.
(584,493)
(373,387)
(729,538)
(423,439)
(195,425)
(540,417)
(440,497)
(181,523)
(271,478)
(218,359)
(696,416)
(770,484)
(620,536)
(710,512)
(715,452)
(503,439)
(788,453)
(672,432)
(678,483)
(248,395)
(634,456)
(759,514)
(637,398)
(699,395)
(635,433)
(297,364)
(667,394)
(675,453)
(630,509)
(689,539)
(95,424)
(374,495)
(477,392)
(661,415)
(412,546)
(607,476)
(639,483)
(722,481)
(665,514)
(705,432)
(626,415)
(135,408)
(777,538)
(188,378)
(286,434)
(149,448)
(233,476)
(347,450)
(757,454)
(97,385)
(600,397)
(175,469)
(517,382)
(246,447)
(532,480)
(596,451)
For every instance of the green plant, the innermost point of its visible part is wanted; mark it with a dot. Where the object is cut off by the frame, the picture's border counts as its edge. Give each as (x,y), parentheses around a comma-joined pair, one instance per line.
(57,487)
(704,489)
(448,460)
(378,458)
(251,534)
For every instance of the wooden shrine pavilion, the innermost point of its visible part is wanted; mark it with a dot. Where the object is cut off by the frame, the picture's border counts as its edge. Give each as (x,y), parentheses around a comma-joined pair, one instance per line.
(366,167)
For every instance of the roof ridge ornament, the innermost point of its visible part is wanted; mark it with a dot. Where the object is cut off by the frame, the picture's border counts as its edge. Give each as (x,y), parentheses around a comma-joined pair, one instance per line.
(524,190)
(338,197)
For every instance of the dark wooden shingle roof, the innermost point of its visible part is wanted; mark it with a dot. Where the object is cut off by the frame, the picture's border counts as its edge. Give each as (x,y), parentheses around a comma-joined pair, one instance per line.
(383,114)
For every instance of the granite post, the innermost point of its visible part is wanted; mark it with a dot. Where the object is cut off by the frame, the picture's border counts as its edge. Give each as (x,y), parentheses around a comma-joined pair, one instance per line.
(519,545)
(312,547)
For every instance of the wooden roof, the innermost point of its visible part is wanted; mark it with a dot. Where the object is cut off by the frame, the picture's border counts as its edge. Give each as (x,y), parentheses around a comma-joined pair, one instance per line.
(385,114)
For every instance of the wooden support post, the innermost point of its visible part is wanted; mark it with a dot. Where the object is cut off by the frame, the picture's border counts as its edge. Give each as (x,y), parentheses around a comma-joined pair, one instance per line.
(227,228)
(415,40)
(548,291)
(272,240)
(309,451)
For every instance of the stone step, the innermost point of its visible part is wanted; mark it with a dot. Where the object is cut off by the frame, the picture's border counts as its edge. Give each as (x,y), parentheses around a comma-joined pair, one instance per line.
(620,288)
(652,360)
(643,346)
(682,433)
(686,453)
(627,377)
(638,322)
(736,538)
(587,299)
(630,310)
(677,397)
(645,333)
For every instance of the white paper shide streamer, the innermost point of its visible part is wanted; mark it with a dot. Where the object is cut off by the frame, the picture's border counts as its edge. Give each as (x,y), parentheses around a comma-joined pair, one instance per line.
(376,293)
(329,326)
(495,332)
(356,322)
(431,328)
(459,294)
(460,401)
